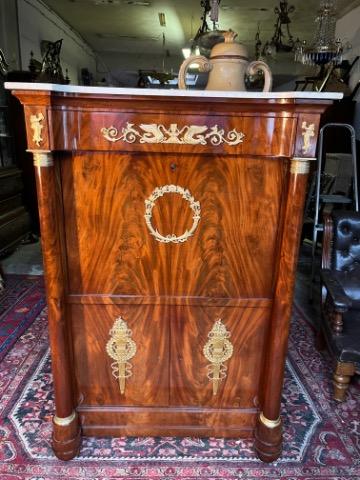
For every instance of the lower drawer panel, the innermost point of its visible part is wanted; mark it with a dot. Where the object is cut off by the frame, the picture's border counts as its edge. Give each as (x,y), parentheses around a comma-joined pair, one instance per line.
(172,361)
(135,421)
(147,369)
(217,355)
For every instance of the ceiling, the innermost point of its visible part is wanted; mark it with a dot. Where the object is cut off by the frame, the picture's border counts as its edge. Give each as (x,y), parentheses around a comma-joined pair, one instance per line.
(128,32)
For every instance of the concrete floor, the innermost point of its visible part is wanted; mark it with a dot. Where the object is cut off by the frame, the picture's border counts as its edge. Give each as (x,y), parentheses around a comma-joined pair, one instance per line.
(26,260)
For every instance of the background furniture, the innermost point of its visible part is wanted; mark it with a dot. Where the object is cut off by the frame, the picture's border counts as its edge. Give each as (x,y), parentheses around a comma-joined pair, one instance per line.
(169,308)
(23,157)
(334,197)
(340,275)
(15,221)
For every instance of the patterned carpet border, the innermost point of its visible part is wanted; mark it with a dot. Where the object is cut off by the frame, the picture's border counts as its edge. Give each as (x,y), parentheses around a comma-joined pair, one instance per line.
(310,418)
(20,303)
(327,447)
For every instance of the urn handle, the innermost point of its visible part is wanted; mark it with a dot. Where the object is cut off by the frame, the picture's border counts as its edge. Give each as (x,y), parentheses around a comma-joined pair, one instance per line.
(257,65)
(204,66)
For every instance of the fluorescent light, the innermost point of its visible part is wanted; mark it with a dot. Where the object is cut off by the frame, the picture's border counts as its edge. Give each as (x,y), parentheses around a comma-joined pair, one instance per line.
(162,19)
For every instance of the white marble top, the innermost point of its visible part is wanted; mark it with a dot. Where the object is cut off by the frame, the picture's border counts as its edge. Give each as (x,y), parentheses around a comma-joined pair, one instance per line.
(50,87)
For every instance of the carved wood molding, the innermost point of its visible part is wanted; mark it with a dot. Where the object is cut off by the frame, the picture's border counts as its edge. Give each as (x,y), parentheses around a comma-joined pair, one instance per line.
(189,134)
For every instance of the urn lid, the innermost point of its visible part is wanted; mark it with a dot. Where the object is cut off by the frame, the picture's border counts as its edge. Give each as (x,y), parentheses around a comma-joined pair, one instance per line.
(229,48)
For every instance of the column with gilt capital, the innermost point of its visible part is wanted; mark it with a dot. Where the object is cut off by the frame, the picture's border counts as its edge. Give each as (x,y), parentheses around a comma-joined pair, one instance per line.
(66,431)
(268,432)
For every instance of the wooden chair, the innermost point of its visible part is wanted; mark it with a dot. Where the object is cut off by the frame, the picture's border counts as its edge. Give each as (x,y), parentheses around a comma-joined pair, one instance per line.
(340,277)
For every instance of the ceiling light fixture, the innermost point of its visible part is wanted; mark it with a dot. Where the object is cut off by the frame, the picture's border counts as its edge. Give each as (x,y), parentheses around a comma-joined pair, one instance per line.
(325,48)
(162,78)
(205,37)
(231,8)
(106,2)
(162,19)
(282,40)
(137,3)
(118,36)
(111,3)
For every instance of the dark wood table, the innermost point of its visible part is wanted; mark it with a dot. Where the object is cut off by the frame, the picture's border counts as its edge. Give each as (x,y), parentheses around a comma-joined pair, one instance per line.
(170,227)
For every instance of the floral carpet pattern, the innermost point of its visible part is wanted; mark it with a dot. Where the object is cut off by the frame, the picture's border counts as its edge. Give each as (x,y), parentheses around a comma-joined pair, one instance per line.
(20,303)
(321,437)
(35,406)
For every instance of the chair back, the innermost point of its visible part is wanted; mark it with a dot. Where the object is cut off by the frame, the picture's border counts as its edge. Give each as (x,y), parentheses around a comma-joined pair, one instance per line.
(346,241)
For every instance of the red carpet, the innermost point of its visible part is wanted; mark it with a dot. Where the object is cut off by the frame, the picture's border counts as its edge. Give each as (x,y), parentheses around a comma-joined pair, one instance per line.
(321,438)
(20,303)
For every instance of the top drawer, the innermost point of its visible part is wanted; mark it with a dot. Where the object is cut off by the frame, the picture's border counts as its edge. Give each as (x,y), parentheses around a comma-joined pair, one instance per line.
(270,135)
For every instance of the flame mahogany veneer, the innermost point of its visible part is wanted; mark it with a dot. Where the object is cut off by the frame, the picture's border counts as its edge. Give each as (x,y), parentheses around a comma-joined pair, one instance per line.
(101,261)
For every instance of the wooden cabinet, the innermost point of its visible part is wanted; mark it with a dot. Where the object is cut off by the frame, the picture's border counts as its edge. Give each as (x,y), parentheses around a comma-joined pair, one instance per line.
(170,228)
(14,218)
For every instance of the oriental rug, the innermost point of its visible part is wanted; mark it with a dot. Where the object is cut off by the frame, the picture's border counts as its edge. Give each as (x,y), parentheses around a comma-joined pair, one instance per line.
(321,437)
(20,303)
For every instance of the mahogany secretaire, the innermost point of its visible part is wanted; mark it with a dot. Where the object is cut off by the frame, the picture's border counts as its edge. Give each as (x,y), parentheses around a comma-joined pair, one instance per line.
(170,227)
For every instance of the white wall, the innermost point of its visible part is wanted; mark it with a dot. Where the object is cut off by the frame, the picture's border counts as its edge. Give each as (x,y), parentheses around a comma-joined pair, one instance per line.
(38,22)
(348,29)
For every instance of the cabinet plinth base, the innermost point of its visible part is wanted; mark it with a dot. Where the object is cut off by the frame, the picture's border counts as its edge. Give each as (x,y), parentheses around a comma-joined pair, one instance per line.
(268,439)
(66,438)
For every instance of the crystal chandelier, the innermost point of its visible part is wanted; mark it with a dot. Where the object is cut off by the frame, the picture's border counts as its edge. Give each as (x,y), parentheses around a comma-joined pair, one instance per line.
(325,48)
